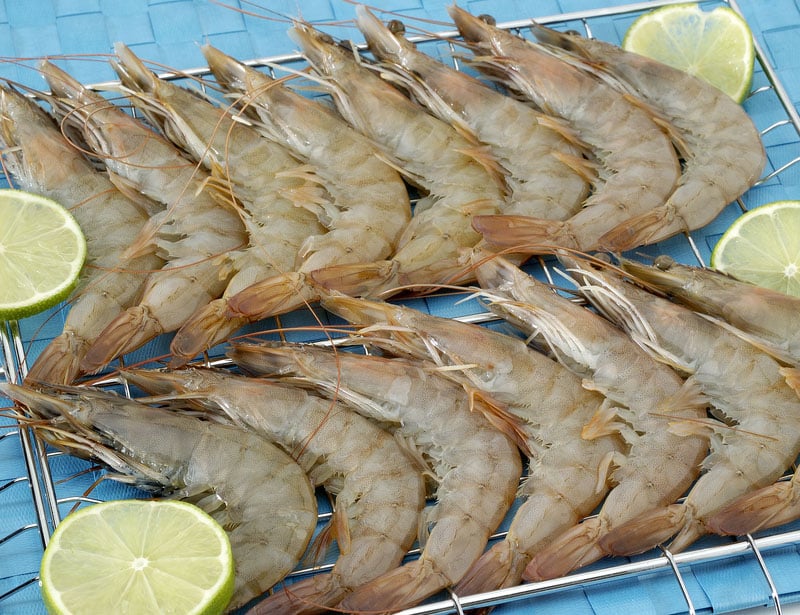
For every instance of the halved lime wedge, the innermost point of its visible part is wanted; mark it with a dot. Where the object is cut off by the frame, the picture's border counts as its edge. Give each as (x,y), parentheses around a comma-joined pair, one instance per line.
(138,556)
(716,45)
(763,247)
(42,251)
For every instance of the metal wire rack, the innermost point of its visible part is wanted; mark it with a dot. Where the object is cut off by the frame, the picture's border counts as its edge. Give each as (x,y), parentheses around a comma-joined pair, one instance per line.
(45,485)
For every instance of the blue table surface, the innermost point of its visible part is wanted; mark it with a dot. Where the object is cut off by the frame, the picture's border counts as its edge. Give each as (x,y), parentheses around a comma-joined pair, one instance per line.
(81,32)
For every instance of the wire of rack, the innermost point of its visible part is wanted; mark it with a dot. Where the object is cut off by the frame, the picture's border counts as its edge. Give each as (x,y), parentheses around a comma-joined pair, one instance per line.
(39,486)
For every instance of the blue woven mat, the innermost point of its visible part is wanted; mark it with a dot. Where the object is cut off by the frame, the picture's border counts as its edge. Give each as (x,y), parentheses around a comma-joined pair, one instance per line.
(168,32)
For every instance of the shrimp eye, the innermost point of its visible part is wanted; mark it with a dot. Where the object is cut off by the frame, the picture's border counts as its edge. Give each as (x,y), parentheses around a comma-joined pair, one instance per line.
(396,27)
(488,19)
(326,38)
(573,33)
(664,262)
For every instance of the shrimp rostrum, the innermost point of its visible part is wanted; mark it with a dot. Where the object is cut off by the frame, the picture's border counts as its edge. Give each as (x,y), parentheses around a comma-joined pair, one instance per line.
(258,493)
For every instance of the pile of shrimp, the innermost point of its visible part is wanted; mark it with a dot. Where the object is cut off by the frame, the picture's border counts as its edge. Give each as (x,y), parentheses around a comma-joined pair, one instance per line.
(666,411)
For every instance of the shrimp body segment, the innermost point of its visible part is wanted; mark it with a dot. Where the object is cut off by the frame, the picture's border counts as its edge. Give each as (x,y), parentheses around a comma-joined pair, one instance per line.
(767,317)
(659,466)
(751,391)
(476,467)
(459,178)
(277,192)
(538,155)
(369,204)
(568,475)
(195,232)
(251,487)
(637,164)
(379,490)
(42,161)
(721,148)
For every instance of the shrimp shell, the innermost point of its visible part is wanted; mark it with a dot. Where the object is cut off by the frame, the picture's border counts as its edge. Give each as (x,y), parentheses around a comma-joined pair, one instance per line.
(568,475)
(721,147)
(370,203)
(278,192)
(637,165)
(196,231)
(659,466)
(459,177)
(379,491)
(752,392)
(543,167)
(476,467)
(43,161)
(257,492)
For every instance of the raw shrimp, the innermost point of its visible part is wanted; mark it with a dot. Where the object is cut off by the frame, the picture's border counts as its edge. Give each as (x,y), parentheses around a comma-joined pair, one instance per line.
(720,146)
(257,492)
(460,177)
(196,232)
(379,491)
(659,465)
(545,171)
(752,392)
(476,467)
(277,192)
(766,317)
(43,161)
(370,203)
(568,475)
(637,164)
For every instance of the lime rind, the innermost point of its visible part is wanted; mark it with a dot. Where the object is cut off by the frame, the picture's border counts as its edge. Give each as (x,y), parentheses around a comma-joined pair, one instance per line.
(108,556)
(42,252)
(714,45)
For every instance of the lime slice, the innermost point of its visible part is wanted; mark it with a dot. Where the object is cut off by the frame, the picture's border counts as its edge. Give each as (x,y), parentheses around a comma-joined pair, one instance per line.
(42,250)
(716,46)
(763,247)
(138,556)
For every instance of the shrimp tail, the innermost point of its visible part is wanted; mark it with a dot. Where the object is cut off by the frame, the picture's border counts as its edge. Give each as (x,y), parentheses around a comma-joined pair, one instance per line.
(578,546)
(272,296)
(501,566)
(360,280)
(311,595)
(647,228)
(397,589)
(764,508)
(520,232)
(647,531)
(207,327)
(59,362)
(131,329)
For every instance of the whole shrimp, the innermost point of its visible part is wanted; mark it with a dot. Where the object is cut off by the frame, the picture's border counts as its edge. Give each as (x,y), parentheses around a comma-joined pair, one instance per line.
(379,491)
(720,146)
(766,317)
(567,475)
(370,205)
(637,164)
(751,391)
(659,466)
(476,466)
(461,178)
(545,172)
(257,492)
(278,193)
(195,232)
(43,161)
